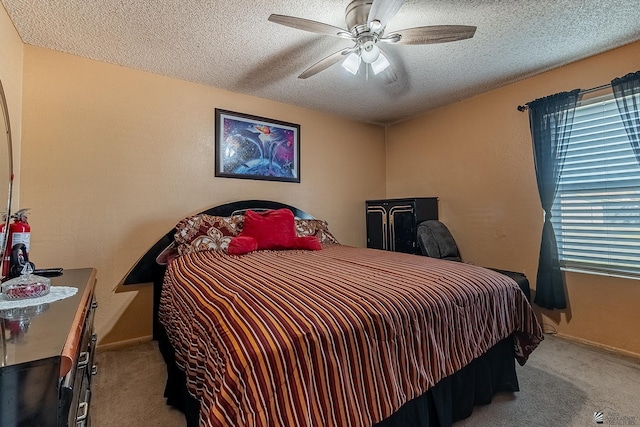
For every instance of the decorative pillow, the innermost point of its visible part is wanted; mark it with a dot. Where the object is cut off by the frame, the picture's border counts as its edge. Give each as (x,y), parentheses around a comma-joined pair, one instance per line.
(206,232)
(309,243)
(315,227)
(272,229)
(241,245)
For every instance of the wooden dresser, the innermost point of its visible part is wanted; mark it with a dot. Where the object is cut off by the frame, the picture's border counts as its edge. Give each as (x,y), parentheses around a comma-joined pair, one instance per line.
(46,361)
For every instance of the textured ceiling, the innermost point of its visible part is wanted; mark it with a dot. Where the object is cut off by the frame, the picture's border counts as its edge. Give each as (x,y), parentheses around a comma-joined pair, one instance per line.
(231,45)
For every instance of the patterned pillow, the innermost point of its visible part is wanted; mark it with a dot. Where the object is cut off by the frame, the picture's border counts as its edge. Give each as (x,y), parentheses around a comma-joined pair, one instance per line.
(207,232)
(315,227)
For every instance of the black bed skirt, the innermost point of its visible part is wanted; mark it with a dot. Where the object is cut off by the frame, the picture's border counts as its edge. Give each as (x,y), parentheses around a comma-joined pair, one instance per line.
(450,400)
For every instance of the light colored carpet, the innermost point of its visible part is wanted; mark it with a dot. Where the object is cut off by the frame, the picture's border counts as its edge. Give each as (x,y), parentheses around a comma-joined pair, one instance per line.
(562,385)
(128,389)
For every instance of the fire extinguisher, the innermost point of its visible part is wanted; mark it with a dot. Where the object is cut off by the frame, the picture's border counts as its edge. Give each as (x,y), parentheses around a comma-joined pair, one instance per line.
(5,261)
(19,232)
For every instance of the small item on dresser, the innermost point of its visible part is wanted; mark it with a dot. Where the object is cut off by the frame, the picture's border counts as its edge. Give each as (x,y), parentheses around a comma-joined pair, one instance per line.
(28,285)
(48,272)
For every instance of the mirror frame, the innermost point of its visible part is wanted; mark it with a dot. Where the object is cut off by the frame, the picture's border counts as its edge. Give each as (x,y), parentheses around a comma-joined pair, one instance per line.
(5,235)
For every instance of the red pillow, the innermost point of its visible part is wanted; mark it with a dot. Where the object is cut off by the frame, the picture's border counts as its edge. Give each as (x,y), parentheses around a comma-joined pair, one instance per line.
(272,229)
(310,243)
(242,245)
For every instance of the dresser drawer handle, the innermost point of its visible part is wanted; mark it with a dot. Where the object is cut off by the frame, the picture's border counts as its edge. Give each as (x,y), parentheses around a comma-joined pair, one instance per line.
(83,409)
(94,370)
(83,360)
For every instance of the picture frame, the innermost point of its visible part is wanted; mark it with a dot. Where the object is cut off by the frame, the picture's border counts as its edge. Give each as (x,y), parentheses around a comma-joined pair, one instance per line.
(253,147)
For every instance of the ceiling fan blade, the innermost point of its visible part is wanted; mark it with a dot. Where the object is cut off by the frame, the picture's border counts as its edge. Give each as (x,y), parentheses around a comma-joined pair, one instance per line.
(325,63)
(431,34)
(384,10)
(309,25)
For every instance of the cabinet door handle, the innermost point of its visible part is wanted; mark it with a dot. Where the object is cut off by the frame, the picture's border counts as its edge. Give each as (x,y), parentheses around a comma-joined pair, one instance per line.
(83,409)
(94,304)
(83,359)
(94,370)
(94,337)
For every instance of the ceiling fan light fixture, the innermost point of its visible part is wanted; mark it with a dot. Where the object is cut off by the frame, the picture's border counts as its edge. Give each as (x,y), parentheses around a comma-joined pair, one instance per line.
(352,63)
(380,64)
(369,52)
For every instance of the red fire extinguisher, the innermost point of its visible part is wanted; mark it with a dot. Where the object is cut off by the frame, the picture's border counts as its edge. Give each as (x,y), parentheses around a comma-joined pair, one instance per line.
(5,261)
(19,232)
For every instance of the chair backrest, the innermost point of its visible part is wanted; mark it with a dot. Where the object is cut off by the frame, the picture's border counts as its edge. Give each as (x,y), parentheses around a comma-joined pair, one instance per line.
(435,241)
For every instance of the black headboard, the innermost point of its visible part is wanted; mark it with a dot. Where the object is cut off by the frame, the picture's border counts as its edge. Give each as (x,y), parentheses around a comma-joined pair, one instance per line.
(146,269)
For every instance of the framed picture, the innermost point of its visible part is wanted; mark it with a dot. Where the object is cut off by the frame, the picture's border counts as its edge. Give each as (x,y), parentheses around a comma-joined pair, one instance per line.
(254,147)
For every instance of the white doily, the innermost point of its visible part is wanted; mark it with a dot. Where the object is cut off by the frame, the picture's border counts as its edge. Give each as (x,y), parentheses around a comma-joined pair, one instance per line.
(56,293)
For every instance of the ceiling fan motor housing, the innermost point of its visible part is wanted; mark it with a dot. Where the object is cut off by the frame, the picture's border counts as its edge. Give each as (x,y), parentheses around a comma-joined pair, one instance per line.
(356,16)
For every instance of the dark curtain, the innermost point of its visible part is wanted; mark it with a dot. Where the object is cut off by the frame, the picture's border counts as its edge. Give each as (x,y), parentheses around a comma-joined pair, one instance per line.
(627,92)
(550,120)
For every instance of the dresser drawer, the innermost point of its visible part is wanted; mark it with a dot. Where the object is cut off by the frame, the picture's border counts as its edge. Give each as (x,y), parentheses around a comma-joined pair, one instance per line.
(75,390)
(82,392)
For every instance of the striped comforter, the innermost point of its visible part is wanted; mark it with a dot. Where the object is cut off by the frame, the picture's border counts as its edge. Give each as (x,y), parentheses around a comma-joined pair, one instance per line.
(338,337)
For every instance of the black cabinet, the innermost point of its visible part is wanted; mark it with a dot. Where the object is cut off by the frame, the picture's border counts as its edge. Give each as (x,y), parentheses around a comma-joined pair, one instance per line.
(46,358)
(392,224)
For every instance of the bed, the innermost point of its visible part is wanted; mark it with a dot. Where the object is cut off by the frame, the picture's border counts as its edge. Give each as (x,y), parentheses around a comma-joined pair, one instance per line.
(340,336)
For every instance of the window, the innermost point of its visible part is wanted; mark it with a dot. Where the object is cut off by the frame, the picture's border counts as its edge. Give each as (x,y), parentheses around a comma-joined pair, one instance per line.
(596,213)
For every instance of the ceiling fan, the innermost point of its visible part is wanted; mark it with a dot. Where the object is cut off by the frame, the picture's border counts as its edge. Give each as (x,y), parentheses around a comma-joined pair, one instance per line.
(366,22)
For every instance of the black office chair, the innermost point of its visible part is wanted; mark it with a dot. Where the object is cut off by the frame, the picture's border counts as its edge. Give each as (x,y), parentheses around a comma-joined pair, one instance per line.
(436,241)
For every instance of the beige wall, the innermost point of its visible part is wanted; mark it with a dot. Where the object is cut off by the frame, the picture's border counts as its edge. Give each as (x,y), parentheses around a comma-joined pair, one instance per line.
(475,155)
(114,157)
(11,50)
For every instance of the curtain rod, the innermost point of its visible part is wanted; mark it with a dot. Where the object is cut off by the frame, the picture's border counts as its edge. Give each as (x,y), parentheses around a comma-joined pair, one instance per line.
(523,108)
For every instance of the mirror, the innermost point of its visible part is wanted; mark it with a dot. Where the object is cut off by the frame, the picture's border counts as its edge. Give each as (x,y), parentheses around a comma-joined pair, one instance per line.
(6,178)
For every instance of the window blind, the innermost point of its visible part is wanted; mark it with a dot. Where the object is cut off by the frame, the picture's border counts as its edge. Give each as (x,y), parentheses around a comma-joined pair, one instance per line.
(596,213)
